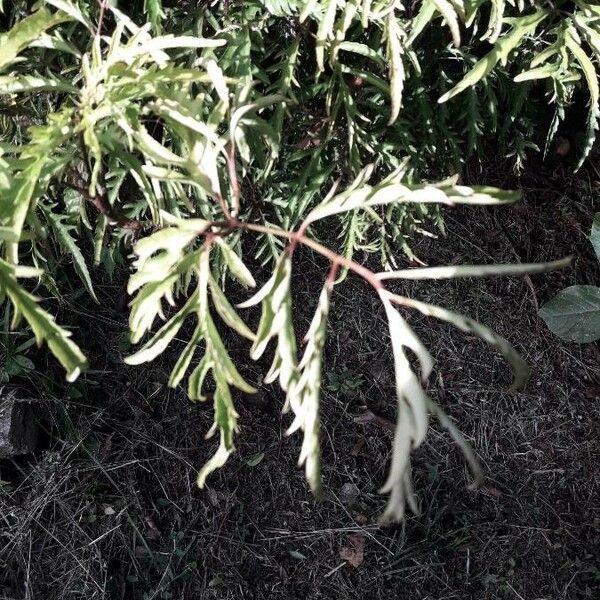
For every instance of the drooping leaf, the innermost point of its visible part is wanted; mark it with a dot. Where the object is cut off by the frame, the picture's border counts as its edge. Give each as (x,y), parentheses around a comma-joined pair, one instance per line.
(42,324)
(25,32)
(521,26)
(69,245)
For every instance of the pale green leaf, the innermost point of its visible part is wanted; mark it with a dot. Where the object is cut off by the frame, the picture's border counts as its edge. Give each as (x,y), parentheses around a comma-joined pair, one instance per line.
(25,32)
(227,312)
(68,244)
(236,266)
(521,26)
(42,324)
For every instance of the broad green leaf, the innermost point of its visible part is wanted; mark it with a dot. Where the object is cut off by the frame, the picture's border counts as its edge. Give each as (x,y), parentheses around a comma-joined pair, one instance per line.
(595,235)
(574,313)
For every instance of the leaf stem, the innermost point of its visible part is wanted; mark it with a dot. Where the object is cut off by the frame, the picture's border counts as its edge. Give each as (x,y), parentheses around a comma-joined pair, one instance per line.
(298,237)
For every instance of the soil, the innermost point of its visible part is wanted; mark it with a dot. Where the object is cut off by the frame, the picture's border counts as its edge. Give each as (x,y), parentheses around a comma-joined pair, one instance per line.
(107,507)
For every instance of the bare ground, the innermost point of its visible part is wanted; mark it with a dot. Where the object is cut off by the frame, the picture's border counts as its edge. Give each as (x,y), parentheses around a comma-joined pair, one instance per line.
(107,508)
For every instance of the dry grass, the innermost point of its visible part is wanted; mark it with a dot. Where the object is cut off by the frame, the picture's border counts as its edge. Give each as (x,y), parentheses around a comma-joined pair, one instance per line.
(108,509)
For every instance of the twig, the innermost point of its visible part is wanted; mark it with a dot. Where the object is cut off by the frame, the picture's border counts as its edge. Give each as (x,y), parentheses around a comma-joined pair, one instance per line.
(103,4)
(100,202)
(100,199)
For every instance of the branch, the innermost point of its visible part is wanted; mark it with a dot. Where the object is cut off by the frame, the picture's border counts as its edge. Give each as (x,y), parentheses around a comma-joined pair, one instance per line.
(102,205)
(298,237)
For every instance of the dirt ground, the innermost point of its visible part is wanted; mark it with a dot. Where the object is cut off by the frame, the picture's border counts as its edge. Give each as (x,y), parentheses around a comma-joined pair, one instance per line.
(108,508)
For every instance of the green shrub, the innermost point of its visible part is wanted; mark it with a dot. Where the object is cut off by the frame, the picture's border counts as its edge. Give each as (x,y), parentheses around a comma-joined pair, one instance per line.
(248,125)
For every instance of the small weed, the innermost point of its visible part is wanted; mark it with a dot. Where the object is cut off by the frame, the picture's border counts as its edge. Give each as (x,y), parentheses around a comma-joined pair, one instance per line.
(344,381)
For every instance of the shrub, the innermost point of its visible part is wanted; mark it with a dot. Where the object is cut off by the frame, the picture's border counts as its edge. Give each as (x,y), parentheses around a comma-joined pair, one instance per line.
(248,125)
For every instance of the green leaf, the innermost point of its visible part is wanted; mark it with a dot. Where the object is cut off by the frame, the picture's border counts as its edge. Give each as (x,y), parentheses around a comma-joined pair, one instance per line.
(42,324)
(591,77)
(185,358)
(163,337)
(412,418)
(254,459)
(574,313)
(221,359)
(304,393)
(421,20)
(226,423)
(71,9)
(67,242)
(236,266)
(521,26)
(14,84)
(197,378)
(25,32)
(397,74)
(447,11)
(155,14)
(363,50)
(595,235)
(468,325)
(325,30)
(226,311)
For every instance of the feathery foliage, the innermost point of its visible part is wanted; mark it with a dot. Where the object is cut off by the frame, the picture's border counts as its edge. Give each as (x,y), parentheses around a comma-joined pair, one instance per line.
(218,127)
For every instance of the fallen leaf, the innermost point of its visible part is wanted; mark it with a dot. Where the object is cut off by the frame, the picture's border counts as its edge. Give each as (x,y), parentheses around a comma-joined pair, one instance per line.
(152,531)
(358,446)
(254,459)
(491,491)
(370,417)
(354,552)
(360,519)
